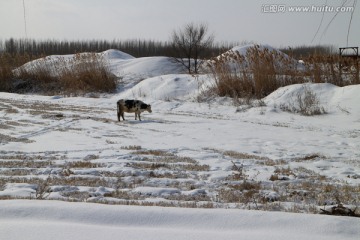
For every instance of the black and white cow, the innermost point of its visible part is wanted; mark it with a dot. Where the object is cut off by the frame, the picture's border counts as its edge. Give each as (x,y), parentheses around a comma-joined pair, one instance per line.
(131,106)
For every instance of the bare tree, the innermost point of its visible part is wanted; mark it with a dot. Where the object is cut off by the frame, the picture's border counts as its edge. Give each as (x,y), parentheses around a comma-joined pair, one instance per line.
(189,44)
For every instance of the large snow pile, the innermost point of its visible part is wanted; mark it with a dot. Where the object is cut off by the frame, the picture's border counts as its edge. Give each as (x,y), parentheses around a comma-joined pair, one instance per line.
(123,65)
(252,52)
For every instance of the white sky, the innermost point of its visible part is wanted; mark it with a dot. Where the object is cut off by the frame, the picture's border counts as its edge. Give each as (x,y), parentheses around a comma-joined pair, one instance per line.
(228,20)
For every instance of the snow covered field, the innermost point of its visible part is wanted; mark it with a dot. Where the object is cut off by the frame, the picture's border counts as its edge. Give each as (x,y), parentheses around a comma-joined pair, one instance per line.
(34,220)
(186,154)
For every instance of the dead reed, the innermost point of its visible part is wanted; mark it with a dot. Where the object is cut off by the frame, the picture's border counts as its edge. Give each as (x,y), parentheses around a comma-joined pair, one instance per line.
(261,71)
(77,75)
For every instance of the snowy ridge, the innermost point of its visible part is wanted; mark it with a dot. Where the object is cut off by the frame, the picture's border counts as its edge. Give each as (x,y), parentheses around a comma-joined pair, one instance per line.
(61,220)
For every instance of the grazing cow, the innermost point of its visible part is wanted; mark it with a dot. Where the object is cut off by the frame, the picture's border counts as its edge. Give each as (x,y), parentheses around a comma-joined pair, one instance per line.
(131,106)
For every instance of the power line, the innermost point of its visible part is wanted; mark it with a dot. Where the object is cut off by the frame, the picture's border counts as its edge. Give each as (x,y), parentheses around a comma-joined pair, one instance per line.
(344,3)
(332,19)
(25,19)
(322,18)
(351,17)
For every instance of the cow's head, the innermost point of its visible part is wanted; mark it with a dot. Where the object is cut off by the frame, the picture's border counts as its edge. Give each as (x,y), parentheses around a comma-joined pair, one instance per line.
(148,108)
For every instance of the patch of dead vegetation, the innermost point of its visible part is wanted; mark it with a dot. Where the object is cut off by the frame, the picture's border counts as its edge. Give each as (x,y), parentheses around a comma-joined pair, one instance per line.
(6,138)
(83,164)
(159,153)
(294,189)
(173,167)
(310,157)
(131,147)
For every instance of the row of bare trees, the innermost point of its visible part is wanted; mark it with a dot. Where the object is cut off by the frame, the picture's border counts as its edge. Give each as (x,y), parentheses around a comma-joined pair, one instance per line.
(188,45)
(135,47)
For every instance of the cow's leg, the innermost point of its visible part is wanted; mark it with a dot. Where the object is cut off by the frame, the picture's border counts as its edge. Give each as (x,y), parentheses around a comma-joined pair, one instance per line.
(139,116)
(118,110)
(122,115)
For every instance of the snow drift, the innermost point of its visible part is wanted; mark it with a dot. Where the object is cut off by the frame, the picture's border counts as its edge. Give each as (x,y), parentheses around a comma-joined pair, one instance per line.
(37,220)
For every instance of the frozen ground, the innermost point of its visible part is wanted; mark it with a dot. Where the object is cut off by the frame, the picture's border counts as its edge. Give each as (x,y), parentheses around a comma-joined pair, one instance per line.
(186,154)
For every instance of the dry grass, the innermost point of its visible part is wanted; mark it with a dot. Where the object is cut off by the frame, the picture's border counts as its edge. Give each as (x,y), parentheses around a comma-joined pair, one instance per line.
(254,75)
(6,138)
(260,72)
(182,197)
(190,204)
(306,103)
(154,153)
(173,167)
(332,69)
(310,157)
(240,155)
(170,159)
(131,147)
(83,164)
(285,189)
(25,164)
(168,174)
(125,195)
(160,156)
(90,74)
(82,74)
(8,62)
(245,156)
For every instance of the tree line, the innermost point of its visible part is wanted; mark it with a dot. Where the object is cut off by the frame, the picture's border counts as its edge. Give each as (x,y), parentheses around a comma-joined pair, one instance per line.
(303,51)
(134,47)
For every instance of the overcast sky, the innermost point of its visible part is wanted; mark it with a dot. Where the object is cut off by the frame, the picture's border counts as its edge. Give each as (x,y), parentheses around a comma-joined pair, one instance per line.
(268,22)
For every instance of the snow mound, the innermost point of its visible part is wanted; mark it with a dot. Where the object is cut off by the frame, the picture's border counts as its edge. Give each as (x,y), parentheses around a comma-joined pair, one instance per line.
(121,64)
(283,95)
(278,57)
(334,98)
(242,50)
(116,54)
(166,87)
